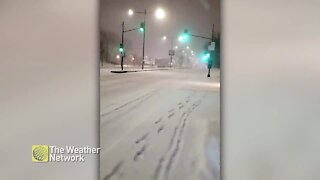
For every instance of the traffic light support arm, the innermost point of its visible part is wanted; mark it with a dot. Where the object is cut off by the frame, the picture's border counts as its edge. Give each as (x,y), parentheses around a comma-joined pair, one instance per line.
(200,37)
(139,12)
(131,30)
(212,37)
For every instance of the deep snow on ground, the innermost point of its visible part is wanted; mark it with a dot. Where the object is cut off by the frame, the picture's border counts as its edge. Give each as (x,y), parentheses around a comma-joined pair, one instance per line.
(160,125)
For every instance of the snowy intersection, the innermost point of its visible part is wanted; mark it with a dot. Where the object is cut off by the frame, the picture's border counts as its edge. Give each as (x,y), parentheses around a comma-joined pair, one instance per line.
(160,125)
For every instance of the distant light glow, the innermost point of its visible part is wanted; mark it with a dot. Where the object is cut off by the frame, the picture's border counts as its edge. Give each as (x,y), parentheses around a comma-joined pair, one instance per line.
(176,47)
(130,12)
(118,56)
(160,14)
(164,37)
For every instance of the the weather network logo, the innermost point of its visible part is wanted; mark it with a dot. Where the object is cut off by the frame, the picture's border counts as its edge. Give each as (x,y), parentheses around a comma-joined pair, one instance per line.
(40,153)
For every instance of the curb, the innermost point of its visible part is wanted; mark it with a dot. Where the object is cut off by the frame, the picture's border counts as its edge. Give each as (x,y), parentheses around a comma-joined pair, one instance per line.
(119,72)
(122,71)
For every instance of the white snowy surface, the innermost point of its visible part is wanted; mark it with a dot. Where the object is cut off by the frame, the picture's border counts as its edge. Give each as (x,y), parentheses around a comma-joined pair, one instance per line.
(160,125)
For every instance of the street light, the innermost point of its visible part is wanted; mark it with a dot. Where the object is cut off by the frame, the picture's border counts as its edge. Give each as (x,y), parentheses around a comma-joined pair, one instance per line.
(160,14)
(118,57)
(130,12)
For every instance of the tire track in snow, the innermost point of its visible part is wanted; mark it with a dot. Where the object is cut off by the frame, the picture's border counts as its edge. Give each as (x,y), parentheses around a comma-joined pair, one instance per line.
(114,171)
(138,99)
(174,146)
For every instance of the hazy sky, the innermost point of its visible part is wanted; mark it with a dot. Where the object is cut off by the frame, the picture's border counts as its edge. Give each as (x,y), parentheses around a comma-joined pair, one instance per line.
(195,15)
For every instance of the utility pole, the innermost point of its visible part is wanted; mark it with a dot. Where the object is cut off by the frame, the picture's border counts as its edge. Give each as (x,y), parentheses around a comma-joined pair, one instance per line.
(144,37)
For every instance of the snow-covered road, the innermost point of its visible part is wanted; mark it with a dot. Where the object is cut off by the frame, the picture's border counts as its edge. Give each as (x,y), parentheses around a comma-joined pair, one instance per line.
(160,125)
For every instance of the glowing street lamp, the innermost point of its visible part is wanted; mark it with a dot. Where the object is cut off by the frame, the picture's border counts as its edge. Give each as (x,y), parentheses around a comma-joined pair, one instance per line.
(160,13)
(130,12)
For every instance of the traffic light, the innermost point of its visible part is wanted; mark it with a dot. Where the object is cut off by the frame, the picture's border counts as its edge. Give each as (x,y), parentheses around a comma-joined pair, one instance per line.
(205,57)
(142,26)
(185,37)
(121,49)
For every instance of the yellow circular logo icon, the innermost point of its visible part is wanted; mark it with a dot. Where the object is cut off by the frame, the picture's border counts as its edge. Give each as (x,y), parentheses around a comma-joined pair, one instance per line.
(40,153)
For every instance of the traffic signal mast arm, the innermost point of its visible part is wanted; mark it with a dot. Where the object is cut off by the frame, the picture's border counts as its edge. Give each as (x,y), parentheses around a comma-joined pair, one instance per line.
(131,30)
(186,34)
(200,37)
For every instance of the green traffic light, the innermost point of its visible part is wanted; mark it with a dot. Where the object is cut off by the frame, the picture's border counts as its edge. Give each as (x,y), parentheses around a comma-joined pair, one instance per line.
(142,25)
(121,49)
(205,58)
(185,37)
(182,38)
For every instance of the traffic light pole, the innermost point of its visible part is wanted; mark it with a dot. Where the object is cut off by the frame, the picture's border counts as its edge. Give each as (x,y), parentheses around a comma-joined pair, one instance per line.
(122,41)
(171,56)
(144,37)
(211,53)
(211,61)
(122,36)
(212,37)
